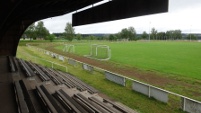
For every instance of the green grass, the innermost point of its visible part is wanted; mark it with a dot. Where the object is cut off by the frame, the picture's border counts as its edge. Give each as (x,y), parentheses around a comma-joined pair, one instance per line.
(96,79)
(177,58)
(36,57)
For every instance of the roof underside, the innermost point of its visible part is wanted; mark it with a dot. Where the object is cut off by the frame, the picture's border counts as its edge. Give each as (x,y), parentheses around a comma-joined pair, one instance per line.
(119,9)
(17,15)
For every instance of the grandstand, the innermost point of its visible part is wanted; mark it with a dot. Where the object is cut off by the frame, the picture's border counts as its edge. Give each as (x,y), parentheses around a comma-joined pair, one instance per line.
(38,89)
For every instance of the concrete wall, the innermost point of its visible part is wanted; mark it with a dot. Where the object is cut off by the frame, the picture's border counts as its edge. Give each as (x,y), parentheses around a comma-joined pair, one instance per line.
(87,67)
(115,78)
(159,94)
(150,91)
(141,88)
(61,58)
(72,62)
(191,106)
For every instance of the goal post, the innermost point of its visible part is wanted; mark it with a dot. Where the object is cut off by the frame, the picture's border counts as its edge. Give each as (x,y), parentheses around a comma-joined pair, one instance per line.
(69,48)
(97,51)
(103,46)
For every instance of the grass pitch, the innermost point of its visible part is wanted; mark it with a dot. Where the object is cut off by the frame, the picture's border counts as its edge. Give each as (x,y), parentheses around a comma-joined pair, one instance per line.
(177,58)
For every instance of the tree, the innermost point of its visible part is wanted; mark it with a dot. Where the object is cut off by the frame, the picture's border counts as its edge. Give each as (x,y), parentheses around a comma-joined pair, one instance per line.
(173,34)
(191,37)
(100,37)
(91,37)
(51,37)
(144,35)
(41,31)
(112,37)
(153,34)
(132,33)
(30,32)
(128,33)
(69,31)
(118,35)
(94,37)
(78,36)
(168,34)
(161,35)
(124,33)
(177,34)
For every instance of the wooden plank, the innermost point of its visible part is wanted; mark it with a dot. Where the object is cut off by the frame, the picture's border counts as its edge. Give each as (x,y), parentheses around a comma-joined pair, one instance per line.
(42,75)
(120,108)
(77,106)
(20,98)
(79,84)
(46,101)
(62,79)
(67,103)
(51,76)
(109,109)
(90,110)
(86,102)
(12,64)
(25,67)
(27,97)
(51,99)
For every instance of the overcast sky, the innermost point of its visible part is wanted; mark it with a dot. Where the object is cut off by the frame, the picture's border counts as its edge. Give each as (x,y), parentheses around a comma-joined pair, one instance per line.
(183,14)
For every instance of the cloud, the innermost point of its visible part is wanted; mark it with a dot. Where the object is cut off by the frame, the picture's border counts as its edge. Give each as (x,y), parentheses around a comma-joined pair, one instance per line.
(179,5)
(57,24)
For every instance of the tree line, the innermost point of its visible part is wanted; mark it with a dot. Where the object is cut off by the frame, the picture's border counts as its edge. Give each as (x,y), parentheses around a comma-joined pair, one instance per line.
(39,31)
(130,34)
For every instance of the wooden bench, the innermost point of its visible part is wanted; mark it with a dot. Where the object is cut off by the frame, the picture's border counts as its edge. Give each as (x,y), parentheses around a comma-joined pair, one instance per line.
(41,74)
(86,87)
(27,97)
(62,79)
(79,84)
(12,65)
(109,109)
(29,72)
(48,100)
(68,102)
(89,106)
(70,82)
(51,75)
(22,105)
(118,107)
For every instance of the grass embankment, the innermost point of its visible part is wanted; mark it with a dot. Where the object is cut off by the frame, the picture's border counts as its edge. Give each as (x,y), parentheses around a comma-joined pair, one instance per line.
(96,79)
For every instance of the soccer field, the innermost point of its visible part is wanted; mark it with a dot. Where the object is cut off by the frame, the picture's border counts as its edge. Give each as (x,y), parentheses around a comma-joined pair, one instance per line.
(177,58)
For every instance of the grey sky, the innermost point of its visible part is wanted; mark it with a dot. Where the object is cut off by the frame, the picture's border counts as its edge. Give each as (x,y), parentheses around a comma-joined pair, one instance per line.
(182,14)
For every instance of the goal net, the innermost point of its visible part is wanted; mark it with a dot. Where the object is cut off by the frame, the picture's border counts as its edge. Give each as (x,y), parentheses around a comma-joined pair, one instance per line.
(69,48)
(100,52)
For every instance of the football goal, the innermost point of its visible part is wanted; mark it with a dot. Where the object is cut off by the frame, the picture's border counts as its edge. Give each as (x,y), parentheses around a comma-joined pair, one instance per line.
(69,48)
(99,52)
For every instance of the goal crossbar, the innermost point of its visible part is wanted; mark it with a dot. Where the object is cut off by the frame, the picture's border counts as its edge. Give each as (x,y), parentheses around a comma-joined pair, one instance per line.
(96,51)
(69,48)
